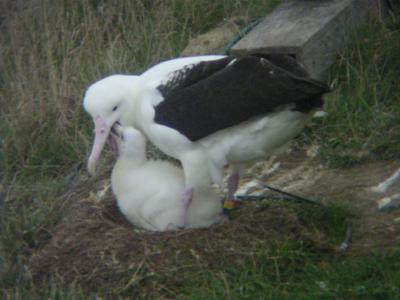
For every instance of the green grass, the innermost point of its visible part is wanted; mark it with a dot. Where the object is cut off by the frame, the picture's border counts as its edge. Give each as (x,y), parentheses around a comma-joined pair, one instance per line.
(363,121)
(287,272)
(52,50)
(28,215)
(290,271)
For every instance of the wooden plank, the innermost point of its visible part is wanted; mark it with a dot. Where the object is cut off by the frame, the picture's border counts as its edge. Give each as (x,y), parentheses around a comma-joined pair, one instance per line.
(310,30)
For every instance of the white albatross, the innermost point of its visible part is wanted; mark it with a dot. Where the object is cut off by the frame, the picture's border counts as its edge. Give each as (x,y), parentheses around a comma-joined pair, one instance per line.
(209,111)
(149,192)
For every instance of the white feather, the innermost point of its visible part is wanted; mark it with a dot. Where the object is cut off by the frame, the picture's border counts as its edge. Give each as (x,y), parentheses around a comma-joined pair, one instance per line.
(149,192)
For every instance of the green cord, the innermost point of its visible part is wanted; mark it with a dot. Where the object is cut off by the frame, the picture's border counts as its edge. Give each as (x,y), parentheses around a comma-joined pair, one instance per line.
(237,37)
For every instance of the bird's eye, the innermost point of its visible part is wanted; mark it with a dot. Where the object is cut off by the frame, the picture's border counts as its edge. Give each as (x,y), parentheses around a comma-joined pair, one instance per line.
(115,108)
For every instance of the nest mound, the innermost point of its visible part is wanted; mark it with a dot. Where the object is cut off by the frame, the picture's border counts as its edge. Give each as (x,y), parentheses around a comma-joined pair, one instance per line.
(94,245)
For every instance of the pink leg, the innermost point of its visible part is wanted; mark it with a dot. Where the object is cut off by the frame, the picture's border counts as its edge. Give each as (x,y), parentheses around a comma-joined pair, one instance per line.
(187,196)
(233,183)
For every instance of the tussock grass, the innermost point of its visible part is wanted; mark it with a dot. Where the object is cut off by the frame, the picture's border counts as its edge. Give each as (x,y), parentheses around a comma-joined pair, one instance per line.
(290,271)
(52,50)
(363,119)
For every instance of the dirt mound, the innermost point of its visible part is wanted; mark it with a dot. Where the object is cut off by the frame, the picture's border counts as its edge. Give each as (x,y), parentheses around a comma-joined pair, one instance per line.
(93,244)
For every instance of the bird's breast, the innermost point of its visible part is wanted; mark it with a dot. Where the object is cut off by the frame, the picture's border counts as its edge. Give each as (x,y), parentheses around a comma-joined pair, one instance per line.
(255,139)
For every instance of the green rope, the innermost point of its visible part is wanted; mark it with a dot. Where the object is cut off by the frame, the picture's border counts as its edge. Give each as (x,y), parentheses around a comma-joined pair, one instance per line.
(237,37)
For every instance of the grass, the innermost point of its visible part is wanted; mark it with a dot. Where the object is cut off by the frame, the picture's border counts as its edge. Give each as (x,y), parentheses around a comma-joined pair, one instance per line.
(292,272)
(52,50)
(363,121)
(269,270)
(288,271)
(28,215)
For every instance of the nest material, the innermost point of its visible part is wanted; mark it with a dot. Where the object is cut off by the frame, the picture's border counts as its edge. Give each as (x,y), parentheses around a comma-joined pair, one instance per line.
(94,245)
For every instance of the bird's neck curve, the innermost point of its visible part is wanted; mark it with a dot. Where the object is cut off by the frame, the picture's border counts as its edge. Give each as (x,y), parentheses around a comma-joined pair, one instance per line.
(132,86)
(132,160)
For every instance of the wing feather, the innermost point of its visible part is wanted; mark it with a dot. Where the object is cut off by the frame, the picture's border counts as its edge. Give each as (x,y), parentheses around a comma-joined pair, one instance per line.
(214,95)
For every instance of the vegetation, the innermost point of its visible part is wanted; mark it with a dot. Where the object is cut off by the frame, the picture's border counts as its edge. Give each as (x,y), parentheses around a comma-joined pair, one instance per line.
(55,49)
(363,121)
(52,50)
(292,272)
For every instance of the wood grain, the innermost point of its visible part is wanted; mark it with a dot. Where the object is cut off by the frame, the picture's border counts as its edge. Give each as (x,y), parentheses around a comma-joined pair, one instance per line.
(311,31)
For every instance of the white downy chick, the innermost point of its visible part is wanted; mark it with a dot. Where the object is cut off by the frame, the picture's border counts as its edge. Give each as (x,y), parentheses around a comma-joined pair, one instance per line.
(149,192)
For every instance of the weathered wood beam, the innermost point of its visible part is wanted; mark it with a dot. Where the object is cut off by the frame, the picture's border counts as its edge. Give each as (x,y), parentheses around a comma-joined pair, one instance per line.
(310,30)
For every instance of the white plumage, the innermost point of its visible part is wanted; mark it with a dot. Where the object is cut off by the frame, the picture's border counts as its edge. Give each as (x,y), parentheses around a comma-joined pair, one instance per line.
(149,192)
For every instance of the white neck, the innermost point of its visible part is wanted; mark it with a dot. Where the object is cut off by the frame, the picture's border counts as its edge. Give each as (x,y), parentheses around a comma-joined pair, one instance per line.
(132,88)
(131,162)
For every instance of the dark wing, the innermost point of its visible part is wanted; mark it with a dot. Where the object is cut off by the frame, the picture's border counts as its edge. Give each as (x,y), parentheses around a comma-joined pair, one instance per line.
(215,95)
(192,74)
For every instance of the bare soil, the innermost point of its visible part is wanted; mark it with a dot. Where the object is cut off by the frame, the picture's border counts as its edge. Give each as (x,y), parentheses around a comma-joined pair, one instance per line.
(303,175)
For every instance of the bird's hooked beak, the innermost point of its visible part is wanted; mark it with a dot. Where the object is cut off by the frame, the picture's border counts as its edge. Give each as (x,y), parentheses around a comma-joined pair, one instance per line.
(102,131)
(103,134)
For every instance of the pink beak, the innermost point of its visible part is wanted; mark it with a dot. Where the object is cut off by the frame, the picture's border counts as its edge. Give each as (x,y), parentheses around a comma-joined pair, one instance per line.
(102,131)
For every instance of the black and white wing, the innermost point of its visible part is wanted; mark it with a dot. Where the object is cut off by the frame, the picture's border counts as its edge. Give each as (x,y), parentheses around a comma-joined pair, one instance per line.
(217,94)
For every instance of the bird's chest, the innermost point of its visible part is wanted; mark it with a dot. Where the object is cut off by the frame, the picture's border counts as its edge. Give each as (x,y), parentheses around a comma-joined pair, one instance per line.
(255,139)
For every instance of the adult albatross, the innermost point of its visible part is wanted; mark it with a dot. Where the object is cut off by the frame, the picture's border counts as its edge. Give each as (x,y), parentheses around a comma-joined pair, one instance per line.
(208,111)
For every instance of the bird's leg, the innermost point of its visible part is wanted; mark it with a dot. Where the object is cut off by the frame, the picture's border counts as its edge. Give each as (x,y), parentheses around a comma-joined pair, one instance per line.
(233,183)
(197,176)
(187,196)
